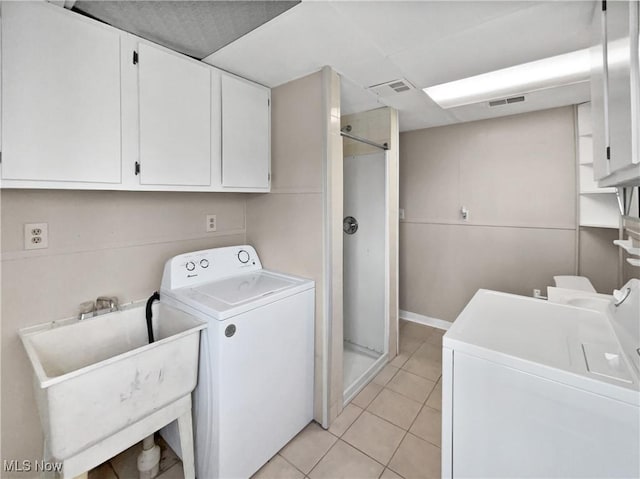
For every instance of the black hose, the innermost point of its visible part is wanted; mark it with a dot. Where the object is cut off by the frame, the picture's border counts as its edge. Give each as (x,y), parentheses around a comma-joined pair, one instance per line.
(154,297)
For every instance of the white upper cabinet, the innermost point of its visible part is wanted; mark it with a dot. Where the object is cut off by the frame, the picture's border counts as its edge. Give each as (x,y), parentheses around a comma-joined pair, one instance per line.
(619,83)
(245,134)
(615,94)
(80,112)
(175,119)
(60,96)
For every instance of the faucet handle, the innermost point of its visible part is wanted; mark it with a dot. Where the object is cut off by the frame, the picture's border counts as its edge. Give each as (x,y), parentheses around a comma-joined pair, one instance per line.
(110,302)
(87,310)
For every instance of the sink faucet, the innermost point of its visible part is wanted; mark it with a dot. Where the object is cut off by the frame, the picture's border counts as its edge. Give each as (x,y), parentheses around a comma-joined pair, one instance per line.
(107,302)
(87,310)
(102,305)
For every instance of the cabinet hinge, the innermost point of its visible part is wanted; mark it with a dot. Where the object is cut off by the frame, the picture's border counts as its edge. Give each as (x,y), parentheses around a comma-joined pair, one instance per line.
(135,57)
(0,157)
(604,5)
(608,152)
(269,176)
(268,102)
(137,168)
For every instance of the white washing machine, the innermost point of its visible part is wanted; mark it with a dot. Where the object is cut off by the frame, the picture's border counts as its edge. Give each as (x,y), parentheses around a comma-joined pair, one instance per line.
(537,389)
(255,379)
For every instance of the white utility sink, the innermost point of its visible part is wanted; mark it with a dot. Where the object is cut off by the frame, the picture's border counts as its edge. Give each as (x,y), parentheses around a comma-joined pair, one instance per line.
(597,304)
(96,377)
(580,298)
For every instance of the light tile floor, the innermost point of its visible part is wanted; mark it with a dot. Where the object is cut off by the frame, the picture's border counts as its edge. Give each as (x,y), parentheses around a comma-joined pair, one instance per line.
(390,430)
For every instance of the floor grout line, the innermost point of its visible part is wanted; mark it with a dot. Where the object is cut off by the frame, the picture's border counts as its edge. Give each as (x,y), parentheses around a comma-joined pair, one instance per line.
(323,456)
(388,422)
(287,461)
(423,404)
(362,409)
(414,419)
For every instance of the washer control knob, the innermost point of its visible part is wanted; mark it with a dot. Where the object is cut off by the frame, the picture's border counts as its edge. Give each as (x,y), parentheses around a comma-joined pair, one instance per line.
(190,266)
(243,256)
(204,263)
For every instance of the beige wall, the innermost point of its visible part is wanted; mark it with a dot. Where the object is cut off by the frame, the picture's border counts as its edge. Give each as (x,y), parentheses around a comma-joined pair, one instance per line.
(112,243)
(516,176)
(374,125)
(286,225)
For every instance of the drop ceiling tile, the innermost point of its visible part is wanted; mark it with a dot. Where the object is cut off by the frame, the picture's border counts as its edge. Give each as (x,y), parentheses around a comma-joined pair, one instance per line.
(396,26)
(526,35)
(371,42)
(300,41)
(355,99)
(195,28)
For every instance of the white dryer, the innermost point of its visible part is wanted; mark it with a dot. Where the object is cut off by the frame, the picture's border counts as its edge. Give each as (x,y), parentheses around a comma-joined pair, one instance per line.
(537,389)
(255,379)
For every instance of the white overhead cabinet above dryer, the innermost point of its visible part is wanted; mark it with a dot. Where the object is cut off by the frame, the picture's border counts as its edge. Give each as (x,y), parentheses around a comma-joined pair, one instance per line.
(87,106)
(60,97)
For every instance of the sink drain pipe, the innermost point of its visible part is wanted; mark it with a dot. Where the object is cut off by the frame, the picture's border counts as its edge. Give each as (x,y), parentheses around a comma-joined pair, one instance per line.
(149,458)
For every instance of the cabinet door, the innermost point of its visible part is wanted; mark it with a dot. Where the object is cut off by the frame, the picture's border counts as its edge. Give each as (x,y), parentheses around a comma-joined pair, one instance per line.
(245,134)
(619,83)
(634,12)
(600,127)
(175,119)
(60,96)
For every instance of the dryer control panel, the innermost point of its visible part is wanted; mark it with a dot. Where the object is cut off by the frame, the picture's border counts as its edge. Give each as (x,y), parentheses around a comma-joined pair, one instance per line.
(197,267)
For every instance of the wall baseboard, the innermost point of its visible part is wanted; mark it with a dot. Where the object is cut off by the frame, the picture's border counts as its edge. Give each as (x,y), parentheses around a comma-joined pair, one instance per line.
(426,320)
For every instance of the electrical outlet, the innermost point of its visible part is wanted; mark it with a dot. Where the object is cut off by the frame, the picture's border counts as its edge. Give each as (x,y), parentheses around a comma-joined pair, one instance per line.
(538,294)
(36,235)
(211,223)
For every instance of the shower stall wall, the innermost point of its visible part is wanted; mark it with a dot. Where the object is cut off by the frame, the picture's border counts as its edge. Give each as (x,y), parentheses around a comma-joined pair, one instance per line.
(365,270)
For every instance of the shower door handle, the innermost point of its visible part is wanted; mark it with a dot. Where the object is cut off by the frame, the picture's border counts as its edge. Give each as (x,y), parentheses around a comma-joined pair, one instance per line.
(349,225)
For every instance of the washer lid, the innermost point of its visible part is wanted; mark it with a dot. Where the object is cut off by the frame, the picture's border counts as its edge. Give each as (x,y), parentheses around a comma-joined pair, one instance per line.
(243,288)
(227,297)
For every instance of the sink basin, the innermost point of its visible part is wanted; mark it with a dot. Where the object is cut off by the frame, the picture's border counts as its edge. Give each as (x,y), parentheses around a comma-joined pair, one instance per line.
(93,378)
(590,303)
(580,299)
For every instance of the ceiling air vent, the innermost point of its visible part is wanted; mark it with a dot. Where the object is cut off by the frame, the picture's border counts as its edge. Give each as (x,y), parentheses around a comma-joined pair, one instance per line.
(507,101)
(392,88)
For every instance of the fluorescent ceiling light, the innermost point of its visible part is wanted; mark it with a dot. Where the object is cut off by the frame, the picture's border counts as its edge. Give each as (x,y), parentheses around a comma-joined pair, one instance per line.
(550,72)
